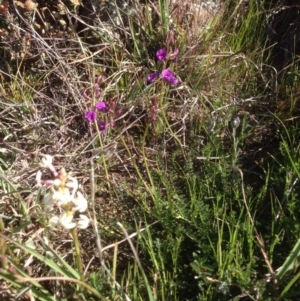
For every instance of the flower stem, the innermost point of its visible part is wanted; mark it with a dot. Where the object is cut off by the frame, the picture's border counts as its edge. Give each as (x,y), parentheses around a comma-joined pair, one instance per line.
(78,253)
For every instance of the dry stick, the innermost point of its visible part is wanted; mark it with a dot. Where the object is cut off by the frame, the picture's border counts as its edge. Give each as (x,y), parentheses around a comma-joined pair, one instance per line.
(98,239)
(236,9)
(258,238)
(129,236)
(134,250)
(131,245)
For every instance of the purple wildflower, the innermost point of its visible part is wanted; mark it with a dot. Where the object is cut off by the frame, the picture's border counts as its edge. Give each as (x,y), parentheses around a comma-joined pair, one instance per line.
(170,37)
(102,126)
(153,110)
(100,79)
(169,77)
(84,94)
(90,116)
(161,54)
(111,106)
(152,77)
(97,89)
(101,106)
(174,55)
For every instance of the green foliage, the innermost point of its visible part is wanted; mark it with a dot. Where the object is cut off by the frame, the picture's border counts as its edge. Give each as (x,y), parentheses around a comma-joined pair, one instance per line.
(207,192)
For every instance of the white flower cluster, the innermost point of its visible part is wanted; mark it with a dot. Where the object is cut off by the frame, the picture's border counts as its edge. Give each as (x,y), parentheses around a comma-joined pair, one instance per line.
(63,193)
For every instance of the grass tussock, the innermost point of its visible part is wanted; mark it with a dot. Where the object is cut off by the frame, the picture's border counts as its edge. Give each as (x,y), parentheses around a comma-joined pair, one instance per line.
(149,150)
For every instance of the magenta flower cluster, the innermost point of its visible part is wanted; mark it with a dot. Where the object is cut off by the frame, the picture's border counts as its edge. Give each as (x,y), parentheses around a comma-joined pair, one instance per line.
(153,110)
(106,110)
(92,115)
(103,110)
(167,75)
(161,55)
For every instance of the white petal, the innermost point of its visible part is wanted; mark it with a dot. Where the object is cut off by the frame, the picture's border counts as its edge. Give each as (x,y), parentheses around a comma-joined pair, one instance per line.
(80,202)
(53,221)
(66,221)
(38,177)
(56,182)
(46,241)
(48,201)
(83,222)
(72,185)
(47,161)
(69,226)
(61,198)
